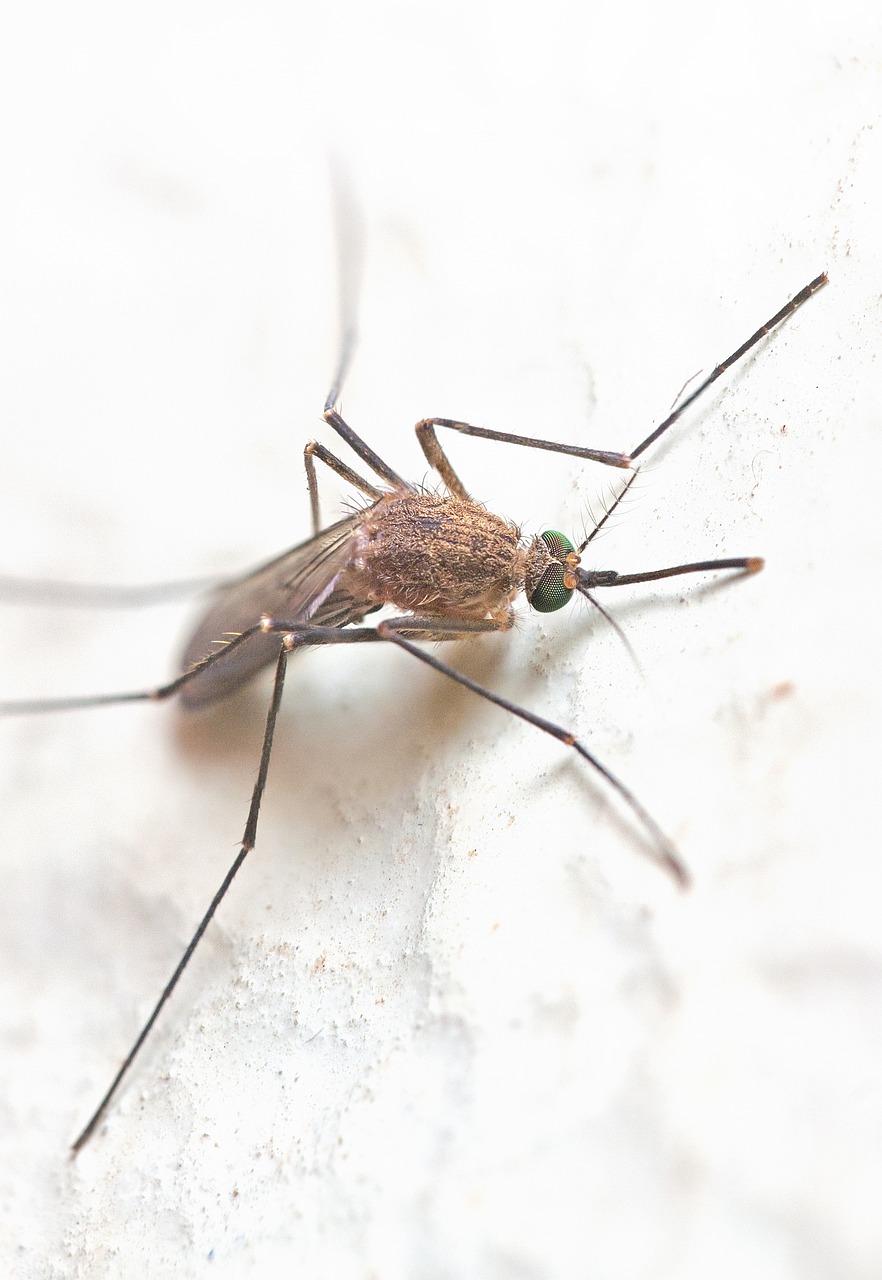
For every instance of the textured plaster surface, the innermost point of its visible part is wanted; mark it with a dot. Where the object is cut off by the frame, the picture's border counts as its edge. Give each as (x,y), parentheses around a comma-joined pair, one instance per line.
(451,1021)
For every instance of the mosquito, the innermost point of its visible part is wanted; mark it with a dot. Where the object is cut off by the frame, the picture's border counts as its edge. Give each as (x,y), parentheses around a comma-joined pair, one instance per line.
(451,568)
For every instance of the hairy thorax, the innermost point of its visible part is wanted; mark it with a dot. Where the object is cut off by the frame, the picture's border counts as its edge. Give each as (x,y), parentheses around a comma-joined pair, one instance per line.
(439,556)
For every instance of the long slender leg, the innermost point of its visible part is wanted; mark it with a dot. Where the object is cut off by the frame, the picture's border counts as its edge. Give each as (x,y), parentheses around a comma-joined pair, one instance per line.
(364,451)
(88,595)
(787,310)
(302,633)
(296,636)
(437,458)
(30,706)
(349,237)
(665,851)
(247,844)
(418,626)
(315,450)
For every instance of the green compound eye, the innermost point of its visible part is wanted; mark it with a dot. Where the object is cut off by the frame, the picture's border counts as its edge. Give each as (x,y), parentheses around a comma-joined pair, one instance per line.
(551,594)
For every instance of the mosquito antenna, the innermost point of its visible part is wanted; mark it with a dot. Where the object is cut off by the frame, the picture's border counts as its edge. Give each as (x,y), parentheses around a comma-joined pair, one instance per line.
(598,524)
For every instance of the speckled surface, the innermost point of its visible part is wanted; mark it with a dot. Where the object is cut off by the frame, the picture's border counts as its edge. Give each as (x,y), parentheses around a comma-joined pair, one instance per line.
(451,1021)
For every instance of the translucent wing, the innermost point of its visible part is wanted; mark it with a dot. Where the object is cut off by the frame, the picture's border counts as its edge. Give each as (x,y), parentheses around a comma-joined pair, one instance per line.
(307,583)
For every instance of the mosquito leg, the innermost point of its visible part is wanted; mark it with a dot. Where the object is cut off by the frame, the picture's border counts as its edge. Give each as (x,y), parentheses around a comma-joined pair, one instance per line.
(787,310)
(441,629)
(30,706)
(364,451)
(315,450)
(665,851)
(349,239)
(248,839)
(302,633)
(87,595)
(437,458)
(295,636)
(301,636)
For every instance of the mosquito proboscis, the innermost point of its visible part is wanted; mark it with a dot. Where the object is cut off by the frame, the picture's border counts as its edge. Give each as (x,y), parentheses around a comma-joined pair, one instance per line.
(451,568)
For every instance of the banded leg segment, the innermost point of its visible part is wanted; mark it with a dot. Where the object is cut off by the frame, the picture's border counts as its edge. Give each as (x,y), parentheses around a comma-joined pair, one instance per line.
(316,450)
(664,849)
(438,460)
(778,318)
(302,635)
(364,451)
(247,844)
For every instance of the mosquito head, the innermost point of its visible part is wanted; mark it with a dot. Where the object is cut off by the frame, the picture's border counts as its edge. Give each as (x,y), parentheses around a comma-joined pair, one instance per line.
(554,575)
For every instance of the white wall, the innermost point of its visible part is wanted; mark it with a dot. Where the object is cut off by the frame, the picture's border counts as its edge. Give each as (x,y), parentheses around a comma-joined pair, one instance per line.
(451,1020)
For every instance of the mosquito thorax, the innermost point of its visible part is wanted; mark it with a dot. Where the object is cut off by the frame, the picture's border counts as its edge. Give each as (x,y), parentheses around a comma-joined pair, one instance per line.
(444,555)
(550,580)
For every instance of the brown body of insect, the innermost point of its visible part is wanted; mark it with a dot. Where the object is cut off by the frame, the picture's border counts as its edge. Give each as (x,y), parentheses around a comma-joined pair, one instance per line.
(440,557)
(445,555)
(453,565)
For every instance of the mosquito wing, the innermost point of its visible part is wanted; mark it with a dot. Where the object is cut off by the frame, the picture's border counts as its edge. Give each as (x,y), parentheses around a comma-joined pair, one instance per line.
(307,583)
